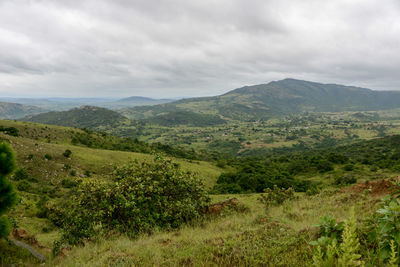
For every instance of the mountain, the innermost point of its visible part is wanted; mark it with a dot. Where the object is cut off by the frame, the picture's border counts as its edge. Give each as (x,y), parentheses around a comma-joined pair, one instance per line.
(63,104)
(83,117)
(14,110)
(277,98)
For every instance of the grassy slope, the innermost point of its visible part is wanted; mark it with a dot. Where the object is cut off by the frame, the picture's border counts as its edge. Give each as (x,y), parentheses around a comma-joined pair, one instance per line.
(31,148)
(279,237)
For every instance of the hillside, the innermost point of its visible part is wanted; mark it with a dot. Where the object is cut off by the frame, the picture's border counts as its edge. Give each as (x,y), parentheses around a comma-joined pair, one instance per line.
(249,233)
(15,111)
(84,117)
(278,98)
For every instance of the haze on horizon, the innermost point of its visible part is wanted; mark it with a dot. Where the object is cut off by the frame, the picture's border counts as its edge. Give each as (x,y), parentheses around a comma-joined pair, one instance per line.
(178,48)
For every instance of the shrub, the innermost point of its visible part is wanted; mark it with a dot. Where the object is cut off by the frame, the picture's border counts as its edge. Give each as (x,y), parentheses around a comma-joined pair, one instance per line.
(8,196)
(48,157)
(24,186)
(348,167)
(67,153)
(345,180)
(276,196)
(139,198)
(21,174)
(72,173)
(67,183)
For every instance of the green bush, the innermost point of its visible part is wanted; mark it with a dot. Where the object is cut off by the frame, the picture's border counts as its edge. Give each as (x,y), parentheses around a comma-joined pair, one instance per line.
(48,157)
(67,183)
(139,198)
(345,180)
(276,196)
(8,196)
(348,167)
(67,153)
(21,174)
(24,186)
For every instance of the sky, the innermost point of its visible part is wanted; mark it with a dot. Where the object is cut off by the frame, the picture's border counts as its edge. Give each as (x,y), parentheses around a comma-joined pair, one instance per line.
(181,48)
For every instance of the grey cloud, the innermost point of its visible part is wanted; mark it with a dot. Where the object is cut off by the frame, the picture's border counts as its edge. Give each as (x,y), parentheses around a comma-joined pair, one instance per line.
(169,48)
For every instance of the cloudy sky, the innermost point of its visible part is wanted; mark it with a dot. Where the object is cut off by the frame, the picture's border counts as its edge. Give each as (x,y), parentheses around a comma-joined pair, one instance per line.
(174,48)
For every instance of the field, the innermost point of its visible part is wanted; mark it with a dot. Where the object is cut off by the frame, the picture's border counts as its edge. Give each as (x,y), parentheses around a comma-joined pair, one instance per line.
(238,137)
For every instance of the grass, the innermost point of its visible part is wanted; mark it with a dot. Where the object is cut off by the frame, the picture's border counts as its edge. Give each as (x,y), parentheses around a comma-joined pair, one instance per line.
(278,237)
(32,146)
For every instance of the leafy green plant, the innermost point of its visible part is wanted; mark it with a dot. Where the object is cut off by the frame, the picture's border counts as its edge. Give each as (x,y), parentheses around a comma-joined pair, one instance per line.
(345,180)
(24,186)
(21,174)
(388,225)
(349,248)
(67,153)
(8,196)
(276,196)
(141,197)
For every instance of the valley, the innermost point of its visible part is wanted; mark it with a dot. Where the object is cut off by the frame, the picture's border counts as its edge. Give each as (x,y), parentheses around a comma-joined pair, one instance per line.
(185,184)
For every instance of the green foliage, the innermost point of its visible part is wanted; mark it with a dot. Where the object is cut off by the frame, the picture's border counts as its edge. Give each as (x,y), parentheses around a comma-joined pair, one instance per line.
(7,194)
(186,118)
(20,174)
(349,248)
(330,228)
(393,261)
(68,183)
(48,157)
(67,153)
(345,180)
(327,252)
(276,196)
(388,225)
(9,130)
(24,186)
(83,117)
(254,175)
(141,197)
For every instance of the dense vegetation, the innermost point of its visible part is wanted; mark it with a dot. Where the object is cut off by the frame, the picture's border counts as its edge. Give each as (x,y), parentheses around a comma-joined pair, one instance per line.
(254,174)
(185,118)
(139,198)
(7,193)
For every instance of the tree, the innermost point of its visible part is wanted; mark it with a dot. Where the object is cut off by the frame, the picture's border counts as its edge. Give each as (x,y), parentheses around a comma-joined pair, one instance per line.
(7,194)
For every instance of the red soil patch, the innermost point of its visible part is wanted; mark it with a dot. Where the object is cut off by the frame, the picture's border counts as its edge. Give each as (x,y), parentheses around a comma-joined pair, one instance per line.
(376,188)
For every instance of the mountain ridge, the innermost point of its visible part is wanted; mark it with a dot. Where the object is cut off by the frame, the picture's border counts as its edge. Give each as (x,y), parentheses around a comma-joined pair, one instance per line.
(277,98)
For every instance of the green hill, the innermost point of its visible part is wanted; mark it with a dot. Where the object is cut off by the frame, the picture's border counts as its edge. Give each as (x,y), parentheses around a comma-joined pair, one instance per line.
(15,111)
(83,117)
(278,98)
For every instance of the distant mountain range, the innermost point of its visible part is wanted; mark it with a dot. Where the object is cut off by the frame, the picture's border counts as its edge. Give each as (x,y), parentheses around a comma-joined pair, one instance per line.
(256,102)
(15,111)
(276,99)
(62,104)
